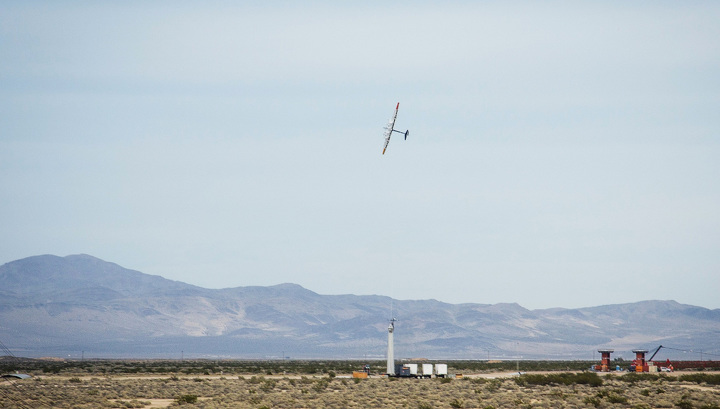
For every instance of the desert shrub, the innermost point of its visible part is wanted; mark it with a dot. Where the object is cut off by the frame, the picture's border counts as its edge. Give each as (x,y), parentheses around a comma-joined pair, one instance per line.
(75,380)
(371,393)
(457,403)
(133,404)
(585,378)
(444,380)
(321,385)
(710,379)
(634,377)
(684,403)
(614,397)
(558,395)
(268,385)
(592,400)
(187,399)
(304,380)
(493,385)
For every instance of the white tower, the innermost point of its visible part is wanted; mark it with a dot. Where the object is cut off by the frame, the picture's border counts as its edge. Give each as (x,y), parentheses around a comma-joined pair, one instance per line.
(390,356)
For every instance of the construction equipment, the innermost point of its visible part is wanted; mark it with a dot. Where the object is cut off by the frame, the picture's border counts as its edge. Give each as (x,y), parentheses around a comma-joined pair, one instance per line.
(655,353)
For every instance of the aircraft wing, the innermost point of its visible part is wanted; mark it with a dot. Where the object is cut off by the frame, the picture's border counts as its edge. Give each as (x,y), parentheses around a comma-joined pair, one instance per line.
(389,128)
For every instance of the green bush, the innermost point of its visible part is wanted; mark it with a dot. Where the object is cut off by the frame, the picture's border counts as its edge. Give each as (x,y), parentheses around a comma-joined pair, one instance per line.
(133,404)
(187,399)
(268,385)
(592,400)
(616,398)
(321,385)
(256,380)
(634,377)
(710,379)
(457,403)
(584,378)
(684,404)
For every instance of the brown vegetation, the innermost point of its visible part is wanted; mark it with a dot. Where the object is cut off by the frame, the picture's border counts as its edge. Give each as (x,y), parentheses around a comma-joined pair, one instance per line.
(531,391)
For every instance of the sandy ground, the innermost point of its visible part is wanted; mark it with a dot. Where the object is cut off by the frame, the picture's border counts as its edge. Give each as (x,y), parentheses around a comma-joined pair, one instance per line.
(162,403)
(159,403)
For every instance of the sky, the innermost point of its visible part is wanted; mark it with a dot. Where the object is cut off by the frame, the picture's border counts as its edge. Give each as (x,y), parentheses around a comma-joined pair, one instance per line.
(561,154)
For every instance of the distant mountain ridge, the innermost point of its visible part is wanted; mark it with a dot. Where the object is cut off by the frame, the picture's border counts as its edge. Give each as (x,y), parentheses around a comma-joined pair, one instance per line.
(63,305)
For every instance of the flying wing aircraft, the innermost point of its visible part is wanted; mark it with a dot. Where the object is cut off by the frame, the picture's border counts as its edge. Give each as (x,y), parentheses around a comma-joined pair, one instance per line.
(390,128)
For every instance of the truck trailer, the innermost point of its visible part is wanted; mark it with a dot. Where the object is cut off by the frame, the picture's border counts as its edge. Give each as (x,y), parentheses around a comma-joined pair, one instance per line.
(441,370)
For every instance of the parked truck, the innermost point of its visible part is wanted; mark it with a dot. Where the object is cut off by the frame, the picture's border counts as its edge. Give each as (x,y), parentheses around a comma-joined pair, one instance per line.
(441,370)
(403,371)
(427,370)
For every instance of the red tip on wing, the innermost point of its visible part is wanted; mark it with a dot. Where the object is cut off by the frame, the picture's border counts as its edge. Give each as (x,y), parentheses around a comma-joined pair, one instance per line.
(397,106)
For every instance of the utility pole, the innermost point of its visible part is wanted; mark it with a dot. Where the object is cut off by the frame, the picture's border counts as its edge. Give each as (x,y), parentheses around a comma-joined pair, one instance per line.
(391,352)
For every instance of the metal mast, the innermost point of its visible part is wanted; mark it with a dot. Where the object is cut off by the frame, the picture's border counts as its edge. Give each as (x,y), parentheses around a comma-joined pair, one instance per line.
(391,353)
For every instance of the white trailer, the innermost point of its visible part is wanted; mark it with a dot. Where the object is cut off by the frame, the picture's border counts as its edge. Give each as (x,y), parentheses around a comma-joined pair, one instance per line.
(427,370)
(441,370)
(413,369)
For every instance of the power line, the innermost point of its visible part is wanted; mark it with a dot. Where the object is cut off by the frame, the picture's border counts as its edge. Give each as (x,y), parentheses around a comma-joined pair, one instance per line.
(691,351)
(21,403)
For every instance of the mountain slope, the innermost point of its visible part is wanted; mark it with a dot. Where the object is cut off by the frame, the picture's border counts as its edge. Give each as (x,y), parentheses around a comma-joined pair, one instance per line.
(52,305)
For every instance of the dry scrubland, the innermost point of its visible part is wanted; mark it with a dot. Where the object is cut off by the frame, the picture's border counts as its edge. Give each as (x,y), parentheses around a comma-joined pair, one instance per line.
(554,390)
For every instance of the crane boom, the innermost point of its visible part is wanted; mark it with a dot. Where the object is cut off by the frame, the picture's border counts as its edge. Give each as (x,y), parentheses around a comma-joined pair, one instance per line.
(655,353)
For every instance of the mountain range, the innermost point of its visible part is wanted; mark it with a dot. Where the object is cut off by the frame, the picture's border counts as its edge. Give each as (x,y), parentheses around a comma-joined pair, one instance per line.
(79,304)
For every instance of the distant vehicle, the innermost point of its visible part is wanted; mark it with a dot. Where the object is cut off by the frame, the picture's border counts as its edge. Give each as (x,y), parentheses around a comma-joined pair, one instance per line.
(665,369)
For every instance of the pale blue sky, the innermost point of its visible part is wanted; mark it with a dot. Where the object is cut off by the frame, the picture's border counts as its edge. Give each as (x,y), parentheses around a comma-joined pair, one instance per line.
(562,154)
